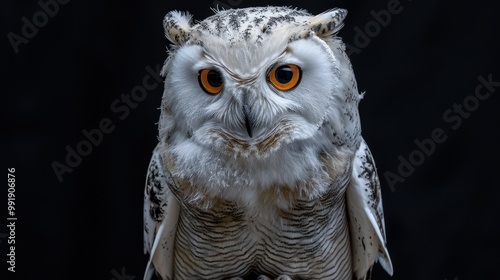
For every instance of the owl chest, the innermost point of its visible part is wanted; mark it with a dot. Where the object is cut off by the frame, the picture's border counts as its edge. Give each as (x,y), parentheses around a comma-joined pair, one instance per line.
(309,241)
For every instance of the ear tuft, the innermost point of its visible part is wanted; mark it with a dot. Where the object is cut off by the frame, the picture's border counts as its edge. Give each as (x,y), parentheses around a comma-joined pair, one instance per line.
(177,27)
(329,23)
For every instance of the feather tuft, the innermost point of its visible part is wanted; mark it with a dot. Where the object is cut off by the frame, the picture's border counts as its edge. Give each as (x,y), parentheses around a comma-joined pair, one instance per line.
(177,26)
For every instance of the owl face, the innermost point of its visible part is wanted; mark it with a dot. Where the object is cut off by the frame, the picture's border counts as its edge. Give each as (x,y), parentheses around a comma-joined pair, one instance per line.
(247,82)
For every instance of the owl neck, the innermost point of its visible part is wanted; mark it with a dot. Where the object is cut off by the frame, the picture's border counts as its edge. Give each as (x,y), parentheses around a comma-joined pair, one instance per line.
(294,173)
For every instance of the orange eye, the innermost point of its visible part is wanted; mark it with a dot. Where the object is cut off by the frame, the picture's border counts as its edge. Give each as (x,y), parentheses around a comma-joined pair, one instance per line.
(285,77)
(210,81)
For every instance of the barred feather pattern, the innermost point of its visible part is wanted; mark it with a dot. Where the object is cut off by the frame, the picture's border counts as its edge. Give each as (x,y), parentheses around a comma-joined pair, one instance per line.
(308,241)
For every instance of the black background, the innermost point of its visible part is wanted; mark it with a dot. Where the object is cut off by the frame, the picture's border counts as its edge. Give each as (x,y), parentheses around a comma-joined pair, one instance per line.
(442,221)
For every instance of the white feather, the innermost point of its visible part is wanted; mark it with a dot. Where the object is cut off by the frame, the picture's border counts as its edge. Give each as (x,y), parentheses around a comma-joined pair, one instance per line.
(159,236)
(177,26)
(366,218)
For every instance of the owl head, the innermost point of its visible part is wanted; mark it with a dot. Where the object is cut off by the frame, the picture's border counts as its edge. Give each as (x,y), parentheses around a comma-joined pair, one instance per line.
(249,82)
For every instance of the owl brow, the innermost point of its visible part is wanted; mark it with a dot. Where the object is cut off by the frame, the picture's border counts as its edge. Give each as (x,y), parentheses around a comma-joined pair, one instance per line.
(214,61)
(209,57)
(277,59)
(253,77)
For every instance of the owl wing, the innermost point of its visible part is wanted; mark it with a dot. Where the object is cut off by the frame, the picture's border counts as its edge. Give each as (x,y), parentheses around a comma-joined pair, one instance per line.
(366,216)
(161,213)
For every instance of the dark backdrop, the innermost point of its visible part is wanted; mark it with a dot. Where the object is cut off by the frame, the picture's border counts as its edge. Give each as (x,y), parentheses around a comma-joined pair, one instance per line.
(74,68)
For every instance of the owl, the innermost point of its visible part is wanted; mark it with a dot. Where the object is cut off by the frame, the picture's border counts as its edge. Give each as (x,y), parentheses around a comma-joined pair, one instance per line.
(261,171)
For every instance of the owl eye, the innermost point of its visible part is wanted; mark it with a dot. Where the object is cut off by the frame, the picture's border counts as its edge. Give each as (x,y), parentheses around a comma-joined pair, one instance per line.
(210,81)
(285,77)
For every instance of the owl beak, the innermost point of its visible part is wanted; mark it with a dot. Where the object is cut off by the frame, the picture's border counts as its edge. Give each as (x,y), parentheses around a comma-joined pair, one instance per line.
(248,120)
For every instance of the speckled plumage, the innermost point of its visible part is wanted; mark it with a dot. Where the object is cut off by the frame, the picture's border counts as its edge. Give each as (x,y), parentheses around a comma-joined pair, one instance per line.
(256,180)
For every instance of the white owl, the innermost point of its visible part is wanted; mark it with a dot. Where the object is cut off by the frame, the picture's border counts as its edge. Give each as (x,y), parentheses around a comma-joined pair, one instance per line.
(260,167)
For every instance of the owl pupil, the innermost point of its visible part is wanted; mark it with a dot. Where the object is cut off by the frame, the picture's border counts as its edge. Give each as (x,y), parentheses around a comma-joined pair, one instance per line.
(284,74)
(214,78)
